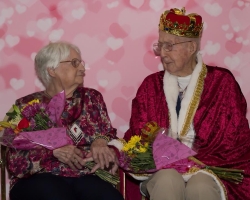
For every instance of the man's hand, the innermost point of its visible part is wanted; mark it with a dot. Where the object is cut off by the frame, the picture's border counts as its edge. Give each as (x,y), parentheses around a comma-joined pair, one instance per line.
(102,154)
(112,166)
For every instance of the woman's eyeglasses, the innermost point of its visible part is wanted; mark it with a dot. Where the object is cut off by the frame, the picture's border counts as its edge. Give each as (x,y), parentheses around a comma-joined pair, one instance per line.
(165,45)
(75,62)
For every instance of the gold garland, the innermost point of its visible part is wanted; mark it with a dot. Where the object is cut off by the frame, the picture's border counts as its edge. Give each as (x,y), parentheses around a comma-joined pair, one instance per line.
(217,178)
(122,141)
(193,170)
(194,102)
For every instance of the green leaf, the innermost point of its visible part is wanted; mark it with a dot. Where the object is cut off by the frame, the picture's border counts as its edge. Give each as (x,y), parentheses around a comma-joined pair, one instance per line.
(16,109)
(12,114)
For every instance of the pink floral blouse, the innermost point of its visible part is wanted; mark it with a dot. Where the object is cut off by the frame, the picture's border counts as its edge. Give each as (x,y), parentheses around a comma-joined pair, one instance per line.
(87,109)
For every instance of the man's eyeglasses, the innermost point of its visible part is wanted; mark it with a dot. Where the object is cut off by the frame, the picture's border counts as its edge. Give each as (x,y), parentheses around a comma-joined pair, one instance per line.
(165,45)
(75,62)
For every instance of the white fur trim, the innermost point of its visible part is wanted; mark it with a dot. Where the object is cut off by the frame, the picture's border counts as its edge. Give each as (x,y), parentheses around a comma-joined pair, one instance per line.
(189,137)
(116,143)
(140,177)
(219,184)
(171,90)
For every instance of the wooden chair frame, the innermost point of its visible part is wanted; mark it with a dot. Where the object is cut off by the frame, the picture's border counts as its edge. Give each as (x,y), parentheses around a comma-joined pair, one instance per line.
(3,167)
(123,185)
(3,174)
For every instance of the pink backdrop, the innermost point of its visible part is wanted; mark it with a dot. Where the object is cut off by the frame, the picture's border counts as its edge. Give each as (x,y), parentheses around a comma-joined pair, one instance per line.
(115,37)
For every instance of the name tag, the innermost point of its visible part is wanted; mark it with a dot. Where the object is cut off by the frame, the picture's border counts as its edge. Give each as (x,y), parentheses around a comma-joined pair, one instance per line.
(76,133)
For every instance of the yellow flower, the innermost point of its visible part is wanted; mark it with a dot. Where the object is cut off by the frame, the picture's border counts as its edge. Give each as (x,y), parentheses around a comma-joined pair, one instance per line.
(134,140)
(141,149)
(33,101)
(30,103)
(130,152)
(131,143)
(126,147)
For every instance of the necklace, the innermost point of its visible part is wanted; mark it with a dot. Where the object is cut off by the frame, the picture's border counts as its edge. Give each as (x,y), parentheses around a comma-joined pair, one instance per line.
(182,91)
(183,83)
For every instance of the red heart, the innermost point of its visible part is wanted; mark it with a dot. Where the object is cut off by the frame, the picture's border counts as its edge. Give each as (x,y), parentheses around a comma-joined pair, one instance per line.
(232,46)
(151,61)
(121,108)
(34,45)
(117,31)
(95,6)
(127,91)
(15,72)
(3,30)
(51,4)
(116,55)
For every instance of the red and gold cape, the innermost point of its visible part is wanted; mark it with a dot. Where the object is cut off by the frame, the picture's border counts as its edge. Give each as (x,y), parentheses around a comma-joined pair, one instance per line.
(212,117)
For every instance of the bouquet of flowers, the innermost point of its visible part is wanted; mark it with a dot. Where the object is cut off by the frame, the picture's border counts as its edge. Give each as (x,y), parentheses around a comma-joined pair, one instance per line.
(36,124)
(136,156)
(154,150)
(39,124)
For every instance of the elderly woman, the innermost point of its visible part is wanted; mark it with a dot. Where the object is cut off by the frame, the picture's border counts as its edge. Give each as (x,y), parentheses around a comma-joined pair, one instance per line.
(60,174)
(202,106)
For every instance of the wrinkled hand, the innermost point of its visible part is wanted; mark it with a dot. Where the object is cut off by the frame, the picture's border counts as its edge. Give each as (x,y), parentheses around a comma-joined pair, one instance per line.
(112,167)
(102,154)
(70,155)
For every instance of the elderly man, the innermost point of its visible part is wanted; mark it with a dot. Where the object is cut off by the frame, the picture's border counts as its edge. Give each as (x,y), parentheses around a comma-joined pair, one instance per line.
(202,106)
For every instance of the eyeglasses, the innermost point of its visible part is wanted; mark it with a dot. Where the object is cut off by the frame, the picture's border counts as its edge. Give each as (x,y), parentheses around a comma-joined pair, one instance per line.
(75,62)
(165,45)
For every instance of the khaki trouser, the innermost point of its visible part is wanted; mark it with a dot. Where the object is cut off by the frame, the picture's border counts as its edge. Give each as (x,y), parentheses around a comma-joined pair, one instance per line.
(168,184)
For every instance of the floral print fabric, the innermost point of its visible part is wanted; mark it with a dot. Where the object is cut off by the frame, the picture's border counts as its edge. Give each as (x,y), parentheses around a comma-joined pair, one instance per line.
(87,109)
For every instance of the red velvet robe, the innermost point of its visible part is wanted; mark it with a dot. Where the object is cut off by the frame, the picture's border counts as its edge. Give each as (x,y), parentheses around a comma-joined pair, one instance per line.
(220,123)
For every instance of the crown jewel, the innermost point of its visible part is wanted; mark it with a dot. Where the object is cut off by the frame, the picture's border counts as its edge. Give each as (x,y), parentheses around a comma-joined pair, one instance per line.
(174,21)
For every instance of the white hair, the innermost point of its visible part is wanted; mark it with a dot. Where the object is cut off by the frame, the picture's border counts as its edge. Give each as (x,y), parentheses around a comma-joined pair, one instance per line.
(198,43)
(196,40)
(50,56)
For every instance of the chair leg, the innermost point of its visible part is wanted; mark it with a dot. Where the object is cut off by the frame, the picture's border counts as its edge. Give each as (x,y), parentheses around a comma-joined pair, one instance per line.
(3,178)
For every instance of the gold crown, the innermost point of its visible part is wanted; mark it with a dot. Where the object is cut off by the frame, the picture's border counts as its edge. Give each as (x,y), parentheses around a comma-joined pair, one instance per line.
(175,22)
(149,131)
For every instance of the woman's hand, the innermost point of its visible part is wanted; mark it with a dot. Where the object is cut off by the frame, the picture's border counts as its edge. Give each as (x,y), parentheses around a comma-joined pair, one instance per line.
(102,154)
(70,155)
